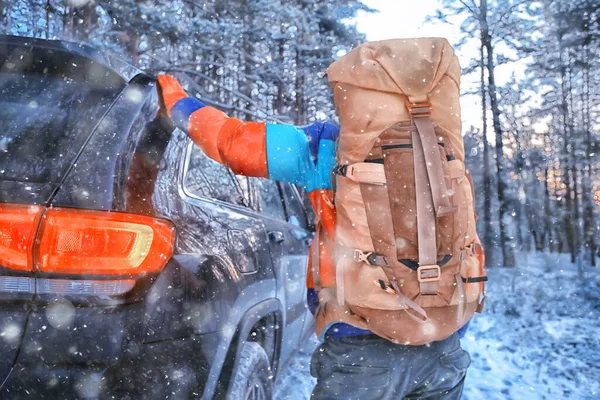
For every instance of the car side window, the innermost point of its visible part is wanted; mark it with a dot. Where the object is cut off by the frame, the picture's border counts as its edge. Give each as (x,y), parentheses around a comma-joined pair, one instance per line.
(269,198)
(244,187)
(208,178)
(308,208)
(296,214)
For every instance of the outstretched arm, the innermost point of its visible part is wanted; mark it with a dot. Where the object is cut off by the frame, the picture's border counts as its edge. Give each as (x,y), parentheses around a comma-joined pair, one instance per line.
(229,141)
(303,156)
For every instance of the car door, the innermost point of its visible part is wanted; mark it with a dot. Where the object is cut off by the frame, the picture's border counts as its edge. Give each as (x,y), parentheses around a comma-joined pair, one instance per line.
(296,216)
(299,215)
(233,231)
(289,242)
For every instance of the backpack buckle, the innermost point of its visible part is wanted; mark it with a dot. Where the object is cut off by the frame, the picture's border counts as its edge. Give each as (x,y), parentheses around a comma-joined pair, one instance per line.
(370,258)
(429,273)
(416,110)
(341,170)
(360,256)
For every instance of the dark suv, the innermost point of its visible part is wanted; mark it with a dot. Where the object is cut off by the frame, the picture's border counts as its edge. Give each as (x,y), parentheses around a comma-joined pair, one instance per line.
(131,265)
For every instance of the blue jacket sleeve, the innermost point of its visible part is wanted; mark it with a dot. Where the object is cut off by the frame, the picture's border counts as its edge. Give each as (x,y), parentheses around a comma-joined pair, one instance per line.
(303,156)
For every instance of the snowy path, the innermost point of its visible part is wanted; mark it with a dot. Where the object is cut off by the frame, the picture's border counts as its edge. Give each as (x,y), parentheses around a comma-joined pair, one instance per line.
(539,337)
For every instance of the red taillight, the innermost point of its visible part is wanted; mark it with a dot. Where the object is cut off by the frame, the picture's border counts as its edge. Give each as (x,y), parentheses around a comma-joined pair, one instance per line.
(18,225)
(71,241)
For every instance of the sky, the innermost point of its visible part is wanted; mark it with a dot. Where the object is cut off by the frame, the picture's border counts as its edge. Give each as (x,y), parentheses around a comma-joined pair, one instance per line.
(406,18)
(403,18)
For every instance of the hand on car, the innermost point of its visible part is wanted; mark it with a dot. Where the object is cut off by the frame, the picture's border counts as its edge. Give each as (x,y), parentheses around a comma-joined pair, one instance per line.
(171,90)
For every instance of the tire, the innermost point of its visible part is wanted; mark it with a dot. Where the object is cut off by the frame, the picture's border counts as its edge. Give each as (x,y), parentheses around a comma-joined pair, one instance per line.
(252,378)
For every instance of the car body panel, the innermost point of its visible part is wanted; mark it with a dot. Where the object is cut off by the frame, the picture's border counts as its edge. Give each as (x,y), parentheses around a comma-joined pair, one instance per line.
(13,319)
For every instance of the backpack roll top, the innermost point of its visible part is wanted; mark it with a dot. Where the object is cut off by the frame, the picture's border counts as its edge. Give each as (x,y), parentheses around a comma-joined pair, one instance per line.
(405,237)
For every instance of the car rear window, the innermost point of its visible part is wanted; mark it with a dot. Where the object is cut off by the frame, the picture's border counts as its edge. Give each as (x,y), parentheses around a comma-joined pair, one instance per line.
(50,102)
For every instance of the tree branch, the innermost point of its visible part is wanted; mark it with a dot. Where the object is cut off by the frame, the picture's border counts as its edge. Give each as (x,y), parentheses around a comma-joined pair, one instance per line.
(214,82)
(227,107)
(511,8)
(471,10)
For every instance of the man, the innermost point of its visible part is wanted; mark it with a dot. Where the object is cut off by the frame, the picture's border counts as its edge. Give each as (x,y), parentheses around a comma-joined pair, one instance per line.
(352,362)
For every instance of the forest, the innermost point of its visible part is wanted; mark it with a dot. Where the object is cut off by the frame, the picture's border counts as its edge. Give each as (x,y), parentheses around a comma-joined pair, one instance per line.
(534,157)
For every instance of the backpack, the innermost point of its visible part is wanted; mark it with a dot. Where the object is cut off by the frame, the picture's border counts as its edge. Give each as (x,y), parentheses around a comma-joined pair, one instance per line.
(408,259)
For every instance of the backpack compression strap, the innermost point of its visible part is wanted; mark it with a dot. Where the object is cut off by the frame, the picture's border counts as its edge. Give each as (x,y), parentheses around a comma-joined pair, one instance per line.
(431,192)
(428,272)
(421,117)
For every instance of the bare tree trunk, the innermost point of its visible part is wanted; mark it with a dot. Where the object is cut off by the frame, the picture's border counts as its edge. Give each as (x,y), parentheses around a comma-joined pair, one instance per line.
(487,179)
(65,21)
(508,257)
(280,100)
(588,207)
(573,153)
(132,48)
(520,209)
(300,79)
(246,83)
(566,158)
(547,205)
(193,41)
(81,19)
(3,14)
(48,9)
(32,12)
(299,106)
(576,213)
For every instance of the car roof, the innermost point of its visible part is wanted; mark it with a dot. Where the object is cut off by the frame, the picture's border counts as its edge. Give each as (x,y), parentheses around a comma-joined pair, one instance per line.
(125,70)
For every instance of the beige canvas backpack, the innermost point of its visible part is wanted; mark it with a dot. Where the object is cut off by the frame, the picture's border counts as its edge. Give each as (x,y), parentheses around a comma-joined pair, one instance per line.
(406,243)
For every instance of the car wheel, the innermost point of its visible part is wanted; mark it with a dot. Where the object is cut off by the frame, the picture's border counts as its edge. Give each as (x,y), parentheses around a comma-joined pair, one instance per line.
(252,378)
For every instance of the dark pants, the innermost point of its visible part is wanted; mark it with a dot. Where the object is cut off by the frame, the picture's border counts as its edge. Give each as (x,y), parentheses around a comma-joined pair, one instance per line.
(369,367)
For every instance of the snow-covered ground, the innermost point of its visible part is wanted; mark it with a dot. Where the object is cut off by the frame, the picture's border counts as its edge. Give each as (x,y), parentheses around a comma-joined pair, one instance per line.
(539,336)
